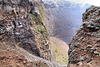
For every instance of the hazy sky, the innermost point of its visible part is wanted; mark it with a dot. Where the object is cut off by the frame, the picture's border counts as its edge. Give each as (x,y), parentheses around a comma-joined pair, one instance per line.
(92,2)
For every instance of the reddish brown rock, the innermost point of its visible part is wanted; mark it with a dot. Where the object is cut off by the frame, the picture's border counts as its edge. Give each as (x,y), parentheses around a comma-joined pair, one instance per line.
(11,58)
(87,51)
(21,25)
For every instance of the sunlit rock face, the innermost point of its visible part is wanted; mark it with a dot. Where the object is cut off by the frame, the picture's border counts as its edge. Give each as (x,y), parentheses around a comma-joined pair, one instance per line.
(22,26)
(85,47)
(64,18)
(24,40)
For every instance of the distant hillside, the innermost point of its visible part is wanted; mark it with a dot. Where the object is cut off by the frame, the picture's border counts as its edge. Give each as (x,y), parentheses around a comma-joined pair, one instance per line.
(64,19)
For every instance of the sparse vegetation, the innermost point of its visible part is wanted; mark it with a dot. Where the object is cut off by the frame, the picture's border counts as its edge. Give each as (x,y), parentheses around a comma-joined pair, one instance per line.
(59,52)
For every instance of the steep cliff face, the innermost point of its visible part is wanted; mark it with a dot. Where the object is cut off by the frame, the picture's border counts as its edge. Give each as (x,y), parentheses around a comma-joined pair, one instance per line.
(21,25)
(24,40)
(85,46)
(64,18)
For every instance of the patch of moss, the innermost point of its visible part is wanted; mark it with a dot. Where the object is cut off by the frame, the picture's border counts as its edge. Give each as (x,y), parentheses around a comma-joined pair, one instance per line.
(42,14)
(56,50)
(43,29)
(40,28)
(33,16)
(61,57)
(37,18)
(34,63)
(41,10)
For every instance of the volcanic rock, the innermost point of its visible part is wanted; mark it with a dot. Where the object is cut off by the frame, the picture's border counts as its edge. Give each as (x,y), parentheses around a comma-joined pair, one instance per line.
(87,38)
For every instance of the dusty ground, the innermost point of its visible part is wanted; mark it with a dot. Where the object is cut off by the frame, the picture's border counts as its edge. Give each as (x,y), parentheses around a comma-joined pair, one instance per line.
(59,50)
(11,58)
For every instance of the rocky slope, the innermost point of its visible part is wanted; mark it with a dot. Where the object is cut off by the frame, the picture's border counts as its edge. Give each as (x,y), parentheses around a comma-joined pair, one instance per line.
(64,20)
(59,50)
(24,39)
(84,49)
(13,58)
(22,26)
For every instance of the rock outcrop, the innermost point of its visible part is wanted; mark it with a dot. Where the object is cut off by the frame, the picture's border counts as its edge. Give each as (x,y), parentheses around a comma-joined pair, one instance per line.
(21,25)
(84,49)
(24,40)
(12,58)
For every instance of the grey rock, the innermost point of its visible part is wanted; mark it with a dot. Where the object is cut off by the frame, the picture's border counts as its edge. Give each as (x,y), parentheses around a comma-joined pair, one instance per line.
(16,1)
(80,59)
(2,30)
(80,39)
(89,34)
(97,28)
(6,1)
(98,40)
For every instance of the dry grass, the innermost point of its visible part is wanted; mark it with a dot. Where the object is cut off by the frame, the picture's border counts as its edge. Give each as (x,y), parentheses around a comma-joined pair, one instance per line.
(59,49)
